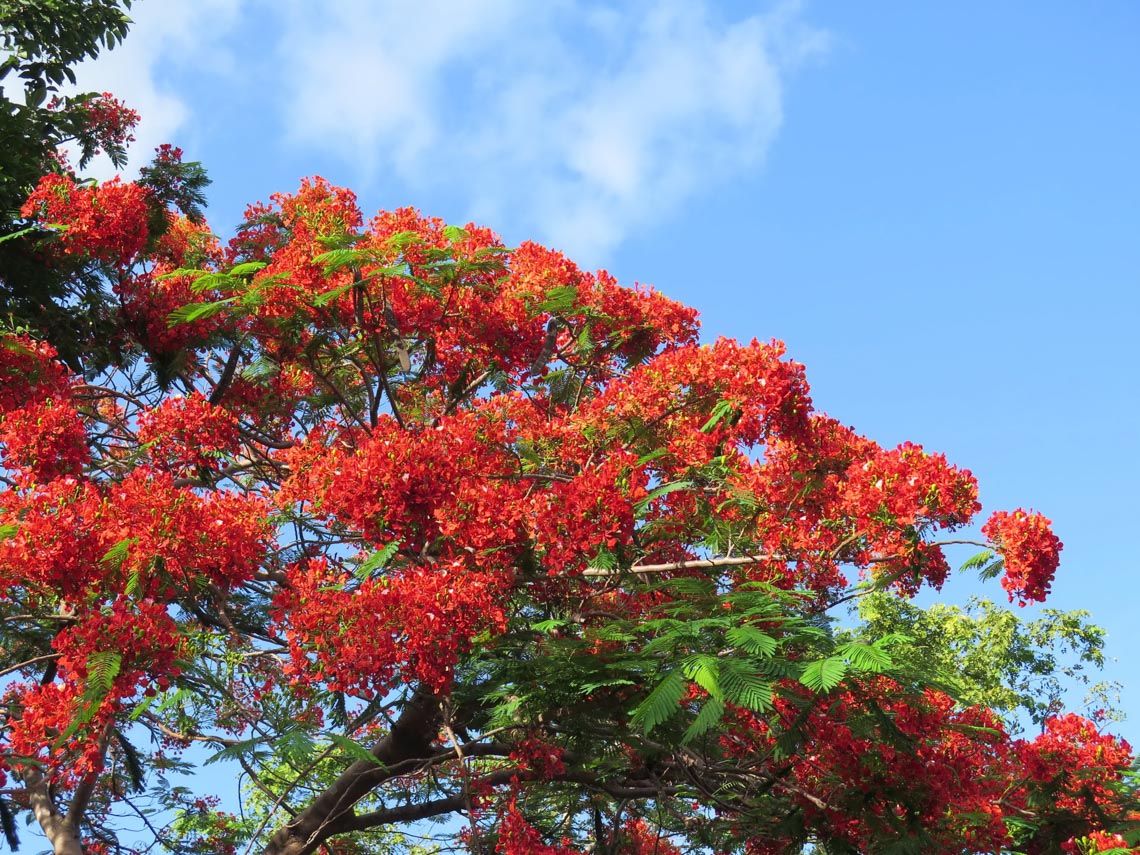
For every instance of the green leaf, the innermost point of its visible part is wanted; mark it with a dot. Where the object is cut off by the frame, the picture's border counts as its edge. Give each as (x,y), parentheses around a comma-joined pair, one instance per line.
(720,411)
(865,657)
(559,299)
(709,716)
(196,311)
(353,748)
(663,490)
(978,561)
(662,703)
(8,530)
(653,455)
(233,752)
(260,368)
(19,233)
(377,560)
(117,554)
(296,746)
(743,686)
(824,675)
(213,281)
(339,259)
(454,234)
(328,296)
(247,268)
(702,670)
(102,669)
(752,640)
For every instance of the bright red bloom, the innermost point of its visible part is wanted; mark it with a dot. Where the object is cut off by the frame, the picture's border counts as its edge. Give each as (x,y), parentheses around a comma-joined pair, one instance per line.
(107,222)
(186,433)
(1031,552)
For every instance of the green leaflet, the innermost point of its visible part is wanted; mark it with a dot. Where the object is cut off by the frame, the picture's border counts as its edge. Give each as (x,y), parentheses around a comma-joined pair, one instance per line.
(720,411)
(454,234)
(353,748)
(709,716)
(657,493)
(247,268)
(752,640)
(117,554)
(102,668)
(559,299)
(376,561)
(661,704)
(743,686)
(865,657)
(702,670)
(197,311)
(824,675)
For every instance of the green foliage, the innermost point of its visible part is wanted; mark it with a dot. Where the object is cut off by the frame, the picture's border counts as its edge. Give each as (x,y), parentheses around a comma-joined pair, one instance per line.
(987,655)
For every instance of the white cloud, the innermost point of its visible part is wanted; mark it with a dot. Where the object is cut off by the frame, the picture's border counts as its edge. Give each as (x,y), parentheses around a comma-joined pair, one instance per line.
(572,121)
(165,35)
(576,122)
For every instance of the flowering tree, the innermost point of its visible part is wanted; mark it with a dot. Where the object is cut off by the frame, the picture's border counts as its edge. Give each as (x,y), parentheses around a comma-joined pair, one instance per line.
(405,526)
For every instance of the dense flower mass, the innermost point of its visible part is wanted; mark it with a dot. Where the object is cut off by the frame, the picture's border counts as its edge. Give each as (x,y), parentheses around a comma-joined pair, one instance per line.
(1030,549)
(41,431)
(107,222)
(409,523)
(185,433)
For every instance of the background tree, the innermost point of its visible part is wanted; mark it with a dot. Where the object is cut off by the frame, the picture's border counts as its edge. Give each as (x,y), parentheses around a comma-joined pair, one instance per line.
(409,526)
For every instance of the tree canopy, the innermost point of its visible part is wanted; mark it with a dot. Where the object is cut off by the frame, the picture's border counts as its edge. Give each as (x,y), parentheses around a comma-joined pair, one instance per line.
(410,526)
(437,544)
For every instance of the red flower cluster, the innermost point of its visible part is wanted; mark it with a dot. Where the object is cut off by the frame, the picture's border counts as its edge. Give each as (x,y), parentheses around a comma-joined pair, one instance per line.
(42,434)
(1074,764)
(109,121)
(1030,550)
(107,222)
(408,626)
(186,433)
(539,756)
(519,837)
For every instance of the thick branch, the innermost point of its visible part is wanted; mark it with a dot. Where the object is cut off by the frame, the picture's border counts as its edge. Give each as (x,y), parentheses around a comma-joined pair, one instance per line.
(680,565)
(411,736)
(62,834)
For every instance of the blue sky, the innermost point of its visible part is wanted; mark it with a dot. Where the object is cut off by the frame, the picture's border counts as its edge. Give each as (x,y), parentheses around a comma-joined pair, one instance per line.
(934,205)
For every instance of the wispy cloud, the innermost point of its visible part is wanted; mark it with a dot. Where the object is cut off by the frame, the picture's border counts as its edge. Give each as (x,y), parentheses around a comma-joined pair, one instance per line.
(576,122)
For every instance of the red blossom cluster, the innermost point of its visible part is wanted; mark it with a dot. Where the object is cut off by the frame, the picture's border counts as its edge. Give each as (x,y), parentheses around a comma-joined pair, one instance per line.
(109,122)
(408,627)
(106,222)
(1030,550)
(1097,841)
(1074,763)
(186,433)
(519,837)
(536,755)
(42,433)
(949,775)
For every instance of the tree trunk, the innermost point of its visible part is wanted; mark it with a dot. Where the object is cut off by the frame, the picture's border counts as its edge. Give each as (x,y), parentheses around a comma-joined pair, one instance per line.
(411,736)
(60,831)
